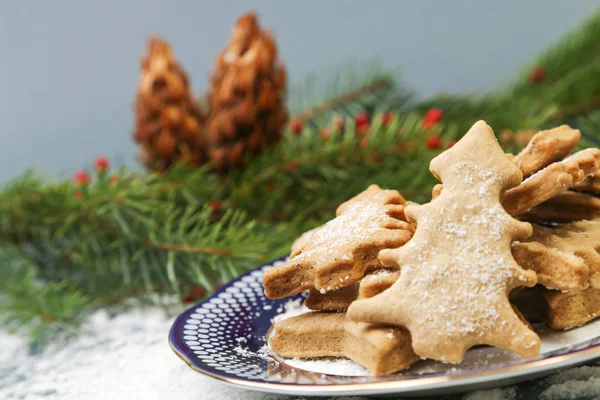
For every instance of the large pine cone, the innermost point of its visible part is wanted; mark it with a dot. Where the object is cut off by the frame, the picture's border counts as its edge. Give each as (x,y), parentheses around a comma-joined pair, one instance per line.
(169,121)
(247,96)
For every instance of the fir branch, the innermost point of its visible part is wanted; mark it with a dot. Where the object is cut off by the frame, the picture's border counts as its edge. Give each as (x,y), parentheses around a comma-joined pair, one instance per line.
(345,93)
(570,88)
(562,62)
(131,232)
(353,95)
(590,126)
(576,109)
(160,245)
(44,308)
(313,175)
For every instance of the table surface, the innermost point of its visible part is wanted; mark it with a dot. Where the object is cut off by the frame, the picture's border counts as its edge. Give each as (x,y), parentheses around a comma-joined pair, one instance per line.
(128,357)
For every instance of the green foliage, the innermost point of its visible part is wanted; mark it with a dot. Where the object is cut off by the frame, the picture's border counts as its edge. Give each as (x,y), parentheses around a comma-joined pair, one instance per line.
(142,234)
(350,90)
(570,88)
(572,68)
(590,125)
(43,307)
(500,111)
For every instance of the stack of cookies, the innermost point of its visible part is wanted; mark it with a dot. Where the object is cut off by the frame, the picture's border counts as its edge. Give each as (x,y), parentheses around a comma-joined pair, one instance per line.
(505,239)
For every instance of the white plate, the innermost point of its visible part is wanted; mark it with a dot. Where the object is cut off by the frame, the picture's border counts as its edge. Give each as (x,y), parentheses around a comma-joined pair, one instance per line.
(224,337)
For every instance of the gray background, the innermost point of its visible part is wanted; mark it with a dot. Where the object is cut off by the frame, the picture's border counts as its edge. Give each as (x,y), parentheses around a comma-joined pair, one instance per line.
(69,69)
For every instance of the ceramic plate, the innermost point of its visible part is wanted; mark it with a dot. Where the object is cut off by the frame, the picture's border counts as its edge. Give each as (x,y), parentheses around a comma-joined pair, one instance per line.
(224,337)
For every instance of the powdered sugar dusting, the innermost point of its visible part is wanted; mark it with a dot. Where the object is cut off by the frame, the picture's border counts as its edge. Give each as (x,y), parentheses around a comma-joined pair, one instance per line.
(360,221)
(458,267)
(262,353)
(478,265)
(580,382)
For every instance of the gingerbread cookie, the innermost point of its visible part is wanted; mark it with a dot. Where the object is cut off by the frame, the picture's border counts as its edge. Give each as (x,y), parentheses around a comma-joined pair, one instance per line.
(559,256)
(336,300)
(339,300)
(546,147)
(380,349)
(568,310)
(339,253)
(436,191)
(578,276)
(568,206)
(377,282)
(591,184)
(458,269)
(565,257)
(550,181)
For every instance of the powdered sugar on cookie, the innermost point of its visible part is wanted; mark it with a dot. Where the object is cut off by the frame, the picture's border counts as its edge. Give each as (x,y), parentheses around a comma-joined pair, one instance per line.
(339,253)
(457,270)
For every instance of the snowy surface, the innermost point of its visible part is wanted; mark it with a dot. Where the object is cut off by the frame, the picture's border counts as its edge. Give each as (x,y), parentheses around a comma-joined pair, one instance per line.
(128,357)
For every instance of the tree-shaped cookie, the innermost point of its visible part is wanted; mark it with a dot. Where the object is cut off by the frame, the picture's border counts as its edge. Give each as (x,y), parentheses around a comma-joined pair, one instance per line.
(457,270)
(340,252)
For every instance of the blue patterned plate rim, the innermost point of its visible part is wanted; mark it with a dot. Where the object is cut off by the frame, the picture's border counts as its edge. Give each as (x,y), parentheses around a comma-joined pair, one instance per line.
(223,337)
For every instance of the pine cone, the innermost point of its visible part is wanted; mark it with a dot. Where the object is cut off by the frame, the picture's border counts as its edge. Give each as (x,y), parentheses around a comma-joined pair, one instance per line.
(169,121)
(247,97)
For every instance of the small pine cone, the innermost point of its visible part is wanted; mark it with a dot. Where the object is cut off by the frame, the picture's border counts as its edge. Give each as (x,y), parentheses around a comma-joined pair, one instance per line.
(247,96)
(169,123)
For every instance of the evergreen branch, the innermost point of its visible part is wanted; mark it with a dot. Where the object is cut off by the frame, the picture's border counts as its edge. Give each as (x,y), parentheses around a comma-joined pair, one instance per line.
(130,230)
(313,175)
(45,308)
(570,88)
(563,59)
(350,90)
(576,109)
(161,245)
(344,98)
(590,126)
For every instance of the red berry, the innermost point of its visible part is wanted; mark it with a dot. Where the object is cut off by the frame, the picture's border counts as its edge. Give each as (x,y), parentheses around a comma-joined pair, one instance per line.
(538,74)
(386,118)
(376,159)
(361,119)
(194,294)
(101,163)
(297,126)
(113,179)
(433,116)
(362,129)
(434,142)
(325,134)
(291,167)
(215,206)
(452,143)
(362,143)
(81,178)
(78,194)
